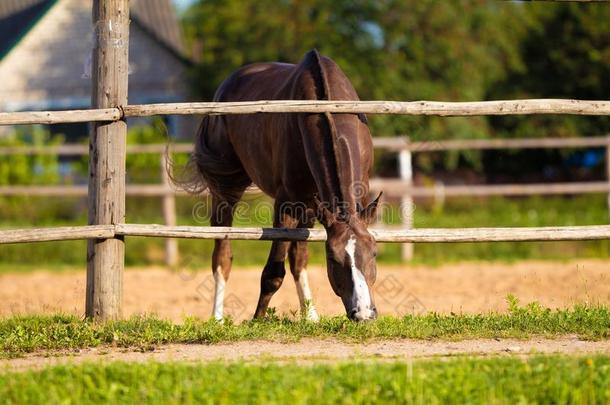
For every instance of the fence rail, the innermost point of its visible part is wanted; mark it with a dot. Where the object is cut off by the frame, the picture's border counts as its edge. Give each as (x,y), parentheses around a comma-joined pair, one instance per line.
(421,235)
(468,108)
(402,188)
(395,144)
(403,143)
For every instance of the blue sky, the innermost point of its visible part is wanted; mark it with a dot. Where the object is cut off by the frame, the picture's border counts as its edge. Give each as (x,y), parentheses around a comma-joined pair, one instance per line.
(182,4)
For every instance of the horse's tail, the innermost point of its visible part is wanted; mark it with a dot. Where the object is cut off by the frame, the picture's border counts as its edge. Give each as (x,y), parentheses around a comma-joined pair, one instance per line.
(212,166)
(187,177)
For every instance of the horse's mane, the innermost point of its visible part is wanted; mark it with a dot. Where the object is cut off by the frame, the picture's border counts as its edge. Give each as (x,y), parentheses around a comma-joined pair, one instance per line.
(341,150)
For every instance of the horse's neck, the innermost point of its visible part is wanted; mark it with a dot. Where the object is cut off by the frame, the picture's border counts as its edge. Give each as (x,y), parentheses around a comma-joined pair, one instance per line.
(331,141)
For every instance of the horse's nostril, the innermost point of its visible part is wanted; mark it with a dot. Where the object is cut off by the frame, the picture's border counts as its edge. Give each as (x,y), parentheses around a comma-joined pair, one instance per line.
(362,315)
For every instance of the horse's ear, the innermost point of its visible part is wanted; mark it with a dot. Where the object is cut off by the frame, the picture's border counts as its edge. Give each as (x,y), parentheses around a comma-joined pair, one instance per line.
(369,213)
(324,215)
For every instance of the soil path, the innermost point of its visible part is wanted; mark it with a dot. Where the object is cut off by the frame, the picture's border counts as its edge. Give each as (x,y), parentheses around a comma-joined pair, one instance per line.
(464,287)
(314,350)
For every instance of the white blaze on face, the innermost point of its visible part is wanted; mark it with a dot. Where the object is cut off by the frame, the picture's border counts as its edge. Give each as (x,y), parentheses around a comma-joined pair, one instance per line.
(219,294)
(361,299)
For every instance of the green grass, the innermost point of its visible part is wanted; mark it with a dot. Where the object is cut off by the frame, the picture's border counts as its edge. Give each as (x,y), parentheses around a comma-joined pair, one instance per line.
(541,379)
(29,333)
(462,212)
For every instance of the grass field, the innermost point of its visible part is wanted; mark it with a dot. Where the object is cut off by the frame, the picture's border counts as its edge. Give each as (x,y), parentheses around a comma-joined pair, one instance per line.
(25,334)
(522,378)
(543,379)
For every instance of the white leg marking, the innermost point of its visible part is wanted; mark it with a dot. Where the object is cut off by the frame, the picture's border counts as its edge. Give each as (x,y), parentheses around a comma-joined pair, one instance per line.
(305,297)
(361,299)
(219,294)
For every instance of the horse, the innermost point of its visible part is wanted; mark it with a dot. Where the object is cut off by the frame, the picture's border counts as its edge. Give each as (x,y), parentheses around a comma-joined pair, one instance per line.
(315,166)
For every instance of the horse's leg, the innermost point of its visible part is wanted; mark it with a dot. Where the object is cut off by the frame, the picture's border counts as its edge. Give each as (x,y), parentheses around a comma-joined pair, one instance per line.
(274,271)
(222,215)
(297,256)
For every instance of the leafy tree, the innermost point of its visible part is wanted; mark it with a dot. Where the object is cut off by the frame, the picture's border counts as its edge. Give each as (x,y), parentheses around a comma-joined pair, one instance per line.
(423,50)
(400,50)
(29,169)
(566,54)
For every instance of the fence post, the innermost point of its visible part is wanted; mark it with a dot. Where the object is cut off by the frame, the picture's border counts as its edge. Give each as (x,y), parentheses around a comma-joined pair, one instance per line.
(105,257)
(405,168)
(169,212)
(608,170)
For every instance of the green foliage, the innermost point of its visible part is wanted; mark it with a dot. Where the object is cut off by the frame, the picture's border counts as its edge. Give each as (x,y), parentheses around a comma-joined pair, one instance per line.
(393,50)
(145,167)
(565,54)
(29,169)
(423,49)
(539,379)
(25,334)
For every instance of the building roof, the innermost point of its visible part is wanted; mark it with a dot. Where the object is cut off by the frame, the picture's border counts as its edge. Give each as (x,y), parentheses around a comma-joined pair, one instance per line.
(156,17)
(16,18)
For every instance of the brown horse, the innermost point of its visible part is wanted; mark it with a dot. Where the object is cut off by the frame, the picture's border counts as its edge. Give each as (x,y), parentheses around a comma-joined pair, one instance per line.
(313,165)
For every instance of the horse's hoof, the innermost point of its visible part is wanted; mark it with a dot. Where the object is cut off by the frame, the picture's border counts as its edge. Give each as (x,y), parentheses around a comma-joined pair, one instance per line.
(312,315)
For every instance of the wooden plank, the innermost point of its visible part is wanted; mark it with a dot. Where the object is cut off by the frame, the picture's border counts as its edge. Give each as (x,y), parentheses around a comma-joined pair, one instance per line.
(60,117)
(160,148)
(405,168)
(397,188)
(388,143)
(79,150)
(608,174)
(459,108)
(60,150)
(393,235)
(56,234)
(525,143)
(38,191)
(420,235)
(169,212)
(469,108)
(105,258)
(391,187)
(141,190)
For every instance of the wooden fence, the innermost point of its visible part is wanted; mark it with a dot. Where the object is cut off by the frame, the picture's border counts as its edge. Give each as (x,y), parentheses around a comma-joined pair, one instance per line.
(106,230)
(401,188)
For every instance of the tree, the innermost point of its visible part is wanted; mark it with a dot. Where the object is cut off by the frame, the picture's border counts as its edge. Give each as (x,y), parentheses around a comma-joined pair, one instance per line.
(397,50)
(566,54)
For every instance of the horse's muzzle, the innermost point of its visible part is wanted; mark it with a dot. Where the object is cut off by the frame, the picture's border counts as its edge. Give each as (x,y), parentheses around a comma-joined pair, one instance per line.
(367,314)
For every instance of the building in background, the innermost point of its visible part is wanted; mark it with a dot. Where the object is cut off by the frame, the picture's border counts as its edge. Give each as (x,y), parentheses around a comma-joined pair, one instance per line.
(45,58)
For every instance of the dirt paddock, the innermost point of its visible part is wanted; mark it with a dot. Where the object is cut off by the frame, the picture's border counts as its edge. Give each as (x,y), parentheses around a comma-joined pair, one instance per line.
(313,351)
(463,287)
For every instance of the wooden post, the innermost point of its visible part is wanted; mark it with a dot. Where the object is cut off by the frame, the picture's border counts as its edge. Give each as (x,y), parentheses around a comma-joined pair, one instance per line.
(105,257)
(169,213)
(608,171)
(405,168)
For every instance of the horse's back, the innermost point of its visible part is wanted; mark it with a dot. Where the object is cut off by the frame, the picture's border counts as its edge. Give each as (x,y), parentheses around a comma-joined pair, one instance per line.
(268,149)
(257,81)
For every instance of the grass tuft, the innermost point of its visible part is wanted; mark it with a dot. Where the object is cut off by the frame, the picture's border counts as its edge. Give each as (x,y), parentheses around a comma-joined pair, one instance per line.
(25,334)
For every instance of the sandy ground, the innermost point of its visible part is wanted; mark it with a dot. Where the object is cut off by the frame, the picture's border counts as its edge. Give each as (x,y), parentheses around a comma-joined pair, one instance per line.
(312,350)
(464,287)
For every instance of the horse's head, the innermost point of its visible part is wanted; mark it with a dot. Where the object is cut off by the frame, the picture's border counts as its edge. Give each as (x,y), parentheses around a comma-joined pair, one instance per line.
(351,259)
